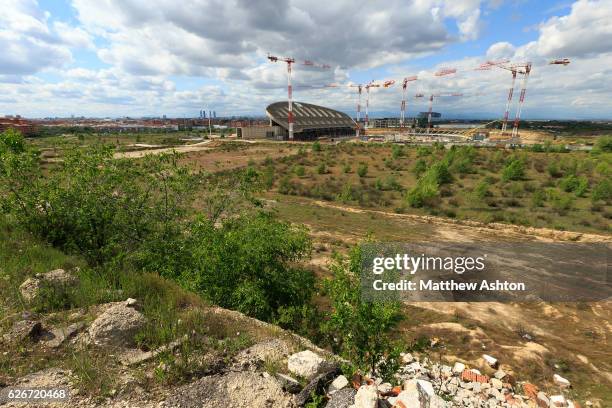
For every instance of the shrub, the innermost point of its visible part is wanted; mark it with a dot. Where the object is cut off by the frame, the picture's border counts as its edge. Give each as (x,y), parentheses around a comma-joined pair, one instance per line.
(424,194)
(514,170)
(602,191)
(554,170)
(95,205)
(247,264)
(423,151)
(358,330)
(604,143)
(538,198)
(321,168)
(420,166)
(362,169)
(569,183)
(440,173)
(481,191)
(299,171)
(346,168)
(316,146)
(397,151)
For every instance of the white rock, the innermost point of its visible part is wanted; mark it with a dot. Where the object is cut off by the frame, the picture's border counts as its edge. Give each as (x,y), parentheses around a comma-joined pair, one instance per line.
(407,358)
(426,393)
(385,388)
(476,371)
(542,400)
(305,363)
(366,397)
(410,385)
(499,374)
(558,401)
(496,383)
(117,326)
(131,302)
(414,366)
(563,382)
(339,383)
(408,398)
(492,361)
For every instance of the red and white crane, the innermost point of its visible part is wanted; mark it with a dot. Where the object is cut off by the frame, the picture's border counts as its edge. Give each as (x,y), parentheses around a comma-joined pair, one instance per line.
(403,107)
(431,99)
(290,61)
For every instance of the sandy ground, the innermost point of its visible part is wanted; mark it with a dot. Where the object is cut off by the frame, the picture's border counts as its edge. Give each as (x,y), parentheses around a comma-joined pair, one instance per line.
(196,147)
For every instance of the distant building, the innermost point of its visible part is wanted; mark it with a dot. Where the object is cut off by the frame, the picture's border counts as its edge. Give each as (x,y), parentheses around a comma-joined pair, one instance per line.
(309,123)
(434,115)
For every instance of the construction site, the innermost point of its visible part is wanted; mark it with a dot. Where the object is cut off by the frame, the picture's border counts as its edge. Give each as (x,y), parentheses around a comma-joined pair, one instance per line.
(289,121)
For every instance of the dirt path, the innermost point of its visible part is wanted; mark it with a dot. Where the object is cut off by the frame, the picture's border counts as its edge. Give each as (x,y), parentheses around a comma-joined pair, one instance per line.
(196,147)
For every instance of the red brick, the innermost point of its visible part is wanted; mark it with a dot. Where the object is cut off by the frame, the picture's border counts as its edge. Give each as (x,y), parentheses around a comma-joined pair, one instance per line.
(470,376)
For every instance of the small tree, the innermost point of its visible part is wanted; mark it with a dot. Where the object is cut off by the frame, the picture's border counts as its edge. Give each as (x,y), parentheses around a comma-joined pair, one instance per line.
(316,146)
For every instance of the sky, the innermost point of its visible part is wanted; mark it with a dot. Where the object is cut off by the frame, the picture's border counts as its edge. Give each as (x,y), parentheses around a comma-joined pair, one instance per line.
(115,58)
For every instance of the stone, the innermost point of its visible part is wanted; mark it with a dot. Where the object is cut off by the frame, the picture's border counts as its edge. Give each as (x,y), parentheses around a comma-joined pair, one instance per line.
(61,334)
(558,401)
(317,385)
(426,393)
(407,358)
(495,383)
(560,381)
(117,326)
(491,361)
(343,398)
(305,364)
(530,390)
(22,330)
(366,397)
(385,388)
(289,384)
(339,383)
(407,399)
(542,400)
(31,287)
(410,384)
(131,302)
(499,374)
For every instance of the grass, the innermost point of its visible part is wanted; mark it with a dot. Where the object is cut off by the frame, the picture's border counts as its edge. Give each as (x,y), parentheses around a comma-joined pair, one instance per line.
(477,191)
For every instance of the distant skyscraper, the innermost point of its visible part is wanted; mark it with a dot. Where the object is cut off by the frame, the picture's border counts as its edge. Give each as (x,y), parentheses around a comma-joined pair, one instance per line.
(203,114)
(215,114)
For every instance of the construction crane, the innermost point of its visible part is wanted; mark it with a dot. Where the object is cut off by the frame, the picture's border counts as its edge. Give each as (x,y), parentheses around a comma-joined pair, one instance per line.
(523,69)
(290,61)
(359,91)
(431,99)
(371,84)
(403,106)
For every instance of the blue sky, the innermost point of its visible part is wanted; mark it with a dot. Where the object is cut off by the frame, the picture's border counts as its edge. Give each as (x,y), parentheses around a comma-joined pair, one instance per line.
(141,58)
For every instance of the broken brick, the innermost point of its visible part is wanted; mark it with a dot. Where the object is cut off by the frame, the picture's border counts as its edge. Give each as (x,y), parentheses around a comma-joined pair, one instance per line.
(470,376)
(530,390)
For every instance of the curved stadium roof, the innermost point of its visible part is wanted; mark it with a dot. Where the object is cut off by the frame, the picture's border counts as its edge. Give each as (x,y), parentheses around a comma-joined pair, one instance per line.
(307,116)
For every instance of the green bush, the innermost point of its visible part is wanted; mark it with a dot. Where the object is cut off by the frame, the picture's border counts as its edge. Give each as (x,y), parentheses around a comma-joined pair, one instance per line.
(554,170)
(299,171)
(602,191)
(95,205)
(362,169)
(514,170)
(420,166)
(538,198)
(481,191)
(423,151)
(425,194)
(397,151)
(316,146)
(321,168)
(604,143)
(358,330)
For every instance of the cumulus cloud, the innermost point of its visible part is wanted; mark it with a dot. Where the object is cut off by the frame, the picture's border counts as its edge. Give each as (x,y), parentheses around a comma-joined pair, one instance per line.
(29,43)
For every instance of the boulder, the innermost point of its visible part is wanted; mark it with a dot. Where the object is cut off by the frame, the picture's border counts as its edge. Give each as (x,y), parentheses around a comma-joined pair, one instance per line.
(117,326)
(305,364)
(343,398)
(61,334)
(366,397)
(407,358)
(560,381)
(495,383)
(22,330)
(339,383)
(58,278)
(500,374)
